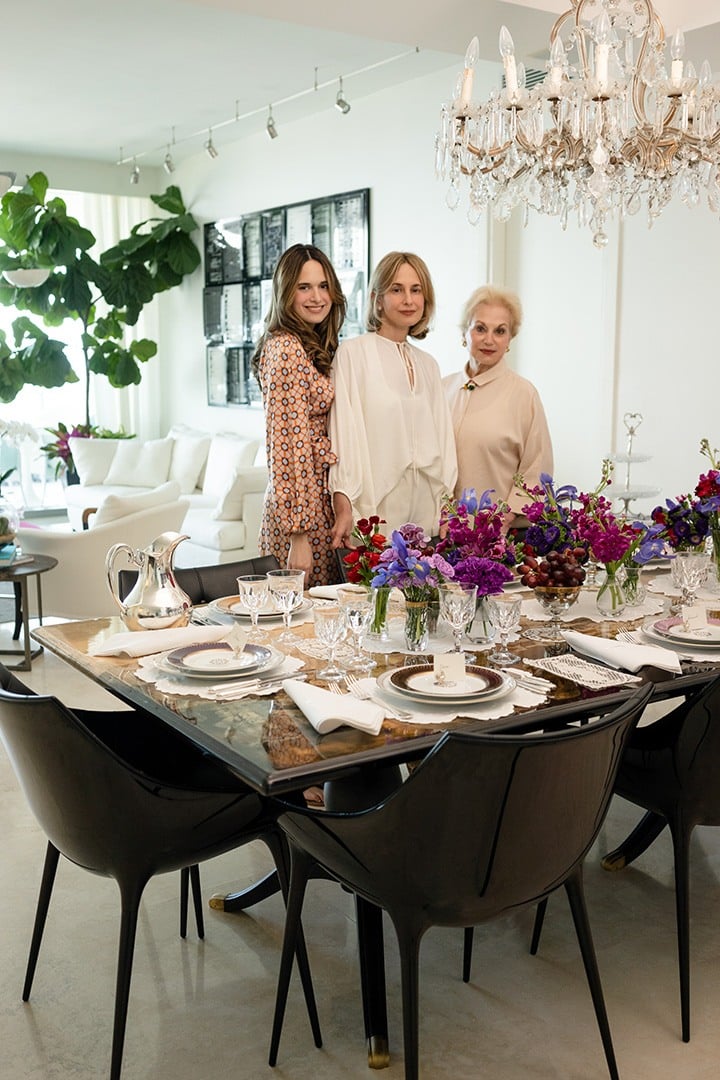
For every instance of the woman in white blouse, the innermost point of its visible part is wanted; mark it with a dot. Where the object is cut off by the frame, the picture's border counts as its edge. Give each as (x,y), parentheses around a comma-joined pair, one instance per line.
(498,417)
(390,425)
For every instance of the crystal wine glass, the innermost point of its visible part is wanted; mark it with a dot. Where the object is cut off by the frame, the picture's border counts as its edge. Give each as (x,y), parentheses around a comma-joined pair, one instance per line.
(253,592)
(357,603)
(457,608)
(689,572)
(505,617)
(330,629)
(286,588)
(555,599)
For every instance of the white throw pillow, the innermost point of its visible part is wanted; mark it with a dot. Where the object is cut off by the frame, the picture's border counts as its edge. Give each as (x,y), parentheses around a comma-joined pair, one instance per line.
(189,454)
(119,506)
(93,458)
(138,464)
(230,506)
(227,454)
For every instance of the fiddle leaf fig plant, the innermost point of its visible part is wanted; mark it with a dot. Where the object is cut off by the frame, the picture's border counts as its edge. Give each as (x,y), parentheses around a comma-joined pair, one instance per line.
(105,295)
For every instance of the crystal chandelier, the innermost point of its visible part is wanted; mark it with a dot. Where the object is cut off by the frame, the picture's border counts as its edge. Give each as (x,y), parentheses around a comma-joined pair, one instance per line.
(606,132)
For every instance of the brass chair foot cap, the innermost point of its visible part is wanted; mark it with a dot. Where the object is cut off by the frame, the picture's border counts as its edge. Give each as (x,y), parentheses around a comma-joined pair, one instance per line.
(378,1052)
(217,902)
(614,860)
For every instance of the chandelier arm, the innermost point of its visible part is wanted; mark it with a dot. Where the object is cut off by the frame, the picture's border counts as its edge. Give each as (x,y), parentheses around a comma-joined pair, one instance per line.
(639,88)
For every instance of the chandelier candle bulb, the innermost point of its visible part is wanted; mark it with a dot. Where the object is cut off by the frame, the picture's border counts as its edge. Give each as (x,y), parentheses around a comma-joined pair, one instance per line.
(507,51)
(677,51)
(471,59)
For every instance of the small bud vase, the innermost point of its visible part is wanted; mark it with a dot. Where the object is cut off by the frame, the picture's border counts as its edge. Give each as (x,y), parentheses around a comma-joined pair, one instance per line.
(416,625)
(635,591)
(378,628)
(611,600)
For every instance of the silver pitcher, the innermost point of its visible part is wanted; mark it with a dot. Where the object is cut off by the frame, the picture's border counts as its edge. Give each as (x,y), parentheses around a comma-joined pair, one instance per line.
(156,601)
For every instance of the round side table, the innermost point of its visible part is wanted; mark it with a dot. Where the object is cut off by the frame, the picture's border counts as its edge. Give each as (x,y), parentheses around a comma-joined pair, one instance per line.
(19,573)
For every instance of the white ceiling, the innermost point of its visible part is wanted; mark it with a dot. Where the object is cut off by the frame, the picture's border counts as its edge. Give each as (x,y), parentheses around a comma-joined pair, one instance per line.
(82,78)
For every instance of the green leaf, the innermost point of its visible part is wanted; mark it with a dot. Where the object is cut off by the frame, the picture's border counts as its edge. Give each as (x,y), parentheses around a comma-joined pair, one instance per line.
(143,349)
(170,200)
(38,184)
(181,254)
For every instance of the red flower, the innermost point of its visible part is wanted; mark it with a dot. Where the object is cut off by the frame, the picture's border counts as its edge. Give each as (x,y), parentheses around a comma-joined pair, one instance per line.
(379,541)
(352,557)
(708,485)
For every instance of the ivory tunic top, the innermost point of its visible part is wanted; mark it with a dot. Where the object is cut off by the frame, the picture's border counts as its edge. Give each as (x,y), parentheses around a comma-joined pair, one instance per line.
(500,429)
(390,428)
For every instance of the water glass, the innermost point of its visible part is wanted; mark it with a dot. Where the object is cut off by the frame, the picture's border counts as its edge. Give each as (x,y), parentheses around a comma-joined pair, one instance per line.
(330,629)
(358,604)
(286,589)
(457,607)
(505,617)
(253,593)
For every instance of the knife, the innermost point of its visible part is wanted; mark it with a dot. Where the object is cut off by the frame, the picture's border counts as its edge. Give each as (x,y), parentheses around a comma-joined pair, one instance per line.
(232,690)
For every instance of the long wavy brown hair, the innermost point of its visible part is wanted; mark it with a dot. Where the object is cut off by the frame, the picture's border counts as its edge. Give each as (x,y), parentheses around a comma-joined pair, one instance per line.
(319,342)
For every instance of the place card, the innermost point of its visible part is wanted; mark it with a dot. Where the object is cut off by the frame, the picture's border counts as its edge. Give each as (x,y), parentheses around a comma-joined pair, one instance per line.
(694,616)
(449,668)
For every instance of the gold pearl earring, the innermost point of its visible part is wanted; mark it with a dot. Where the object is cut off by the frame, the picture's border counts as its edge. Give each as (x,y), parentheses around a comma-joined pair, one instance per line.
(464,342)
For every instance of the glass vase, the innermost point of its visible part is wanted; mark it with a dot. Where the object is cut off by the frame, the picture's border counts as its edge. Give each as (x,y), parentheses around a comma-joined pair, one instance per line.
(378,628)
(635,591)
(480,629)
(713,581)
(611,600)
(416,625)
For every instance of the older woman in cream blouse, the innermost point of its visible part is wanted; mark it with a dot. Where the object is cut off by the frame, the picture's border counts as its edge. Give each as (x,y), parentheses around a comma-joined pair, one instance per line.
(498,418)
(390,426)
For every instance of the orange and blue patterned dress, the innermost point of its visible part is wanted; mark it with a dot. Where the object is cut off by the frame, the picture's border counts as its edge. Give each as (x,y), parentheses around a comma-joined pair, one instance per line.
(297,399)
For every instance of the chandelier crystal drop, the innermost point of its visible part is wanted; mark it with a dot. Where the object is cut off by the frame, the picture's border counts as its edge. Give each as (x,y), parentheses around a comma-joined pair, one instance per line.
(611,128)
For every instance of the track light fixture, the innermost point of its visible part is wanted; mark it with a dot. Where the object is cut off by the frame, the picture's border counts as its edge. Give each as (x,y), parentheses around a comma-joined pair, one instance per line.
(7,179)
(270,126)
(211,149)
(135,173)
(168,163)
(341,101)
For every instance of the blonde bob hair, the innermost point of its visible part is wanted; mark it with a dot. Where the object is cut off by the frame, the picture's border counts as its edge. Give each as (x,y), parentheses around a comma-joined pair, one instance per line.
(382,278)
(490,294)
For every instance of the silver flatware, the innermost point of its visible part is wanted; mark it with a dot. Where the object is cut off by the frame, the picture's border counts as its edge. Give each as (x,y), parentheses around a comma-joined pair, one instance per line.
(358,691)
(234,689)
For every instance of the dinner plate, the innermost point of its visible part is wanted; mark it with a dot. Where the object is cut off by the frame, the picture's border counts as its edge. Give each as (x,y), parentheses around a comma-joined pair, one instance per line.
(417,682)
(695,643)
(219,659)
(672,629)
(230,605)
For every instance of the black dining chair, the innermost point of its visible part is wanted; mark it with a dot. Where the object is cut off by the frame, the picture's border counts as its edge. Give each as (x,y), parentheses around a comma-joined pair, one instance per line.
(206,583)
(486,824)
(125,796)
(671,768)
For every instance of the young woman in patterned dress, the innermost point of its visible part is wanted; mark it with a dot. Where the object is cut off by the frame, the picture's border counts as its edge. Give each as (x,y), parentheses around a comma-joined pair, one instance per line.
(292,363)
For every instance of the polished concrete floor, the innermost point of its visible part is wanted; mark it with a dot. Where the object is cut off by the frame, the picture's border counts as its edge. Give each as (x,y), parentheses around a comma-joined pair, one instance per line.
(201,1010)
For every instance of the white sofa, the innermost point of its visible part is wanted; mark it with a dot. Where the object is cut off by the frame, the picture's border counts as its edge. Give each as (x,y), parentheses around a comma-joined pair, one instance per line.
(222,477)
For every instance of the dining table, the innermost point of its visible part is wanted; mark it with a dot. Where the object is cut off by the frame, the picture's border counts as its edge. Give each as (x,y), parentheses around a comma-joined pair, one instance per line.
(267,740)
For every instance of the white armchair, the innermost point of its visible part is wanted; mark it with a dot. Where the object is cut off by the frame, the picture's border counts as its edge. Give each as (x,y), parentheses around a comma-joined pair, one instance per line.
(77,587)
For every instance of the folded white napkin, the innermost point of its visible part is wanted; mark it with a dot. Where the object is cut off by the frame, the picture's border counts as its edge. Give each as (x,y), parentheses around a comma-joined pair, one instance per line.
(144,642)
(327,711)
(620,654)
(324,592)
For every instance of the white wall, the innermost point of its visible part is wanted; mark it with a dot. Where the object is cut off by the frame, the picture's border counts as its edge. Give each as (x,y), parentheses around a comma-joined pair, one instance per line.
(629,328)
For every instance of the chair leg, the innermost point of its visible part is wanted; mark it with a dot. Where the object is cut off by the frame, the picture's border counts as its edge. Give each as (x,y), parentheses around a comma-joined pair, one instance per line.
(645,832)
(130,894)
(409,942)
(197,900)
(468,936)
(184,887)
(301,864)
(681,849)
(280,851)
(52,856)
(574,890)
(537,926)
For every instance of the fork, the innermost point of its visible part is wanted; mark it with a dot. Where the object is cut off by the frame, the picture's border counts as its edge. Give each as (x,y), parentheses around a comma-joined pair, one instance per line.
(358,691)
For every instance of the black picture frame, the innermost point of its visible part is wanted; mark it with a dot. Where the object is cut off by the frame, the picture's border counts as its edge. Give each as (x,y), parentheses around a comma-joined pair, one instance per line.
(241,254)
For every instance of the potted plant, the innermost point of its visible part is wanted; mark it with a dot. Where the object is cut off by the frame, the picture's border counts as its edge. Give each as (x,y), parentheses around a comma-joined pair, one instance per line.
(104,295)
(59,449)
